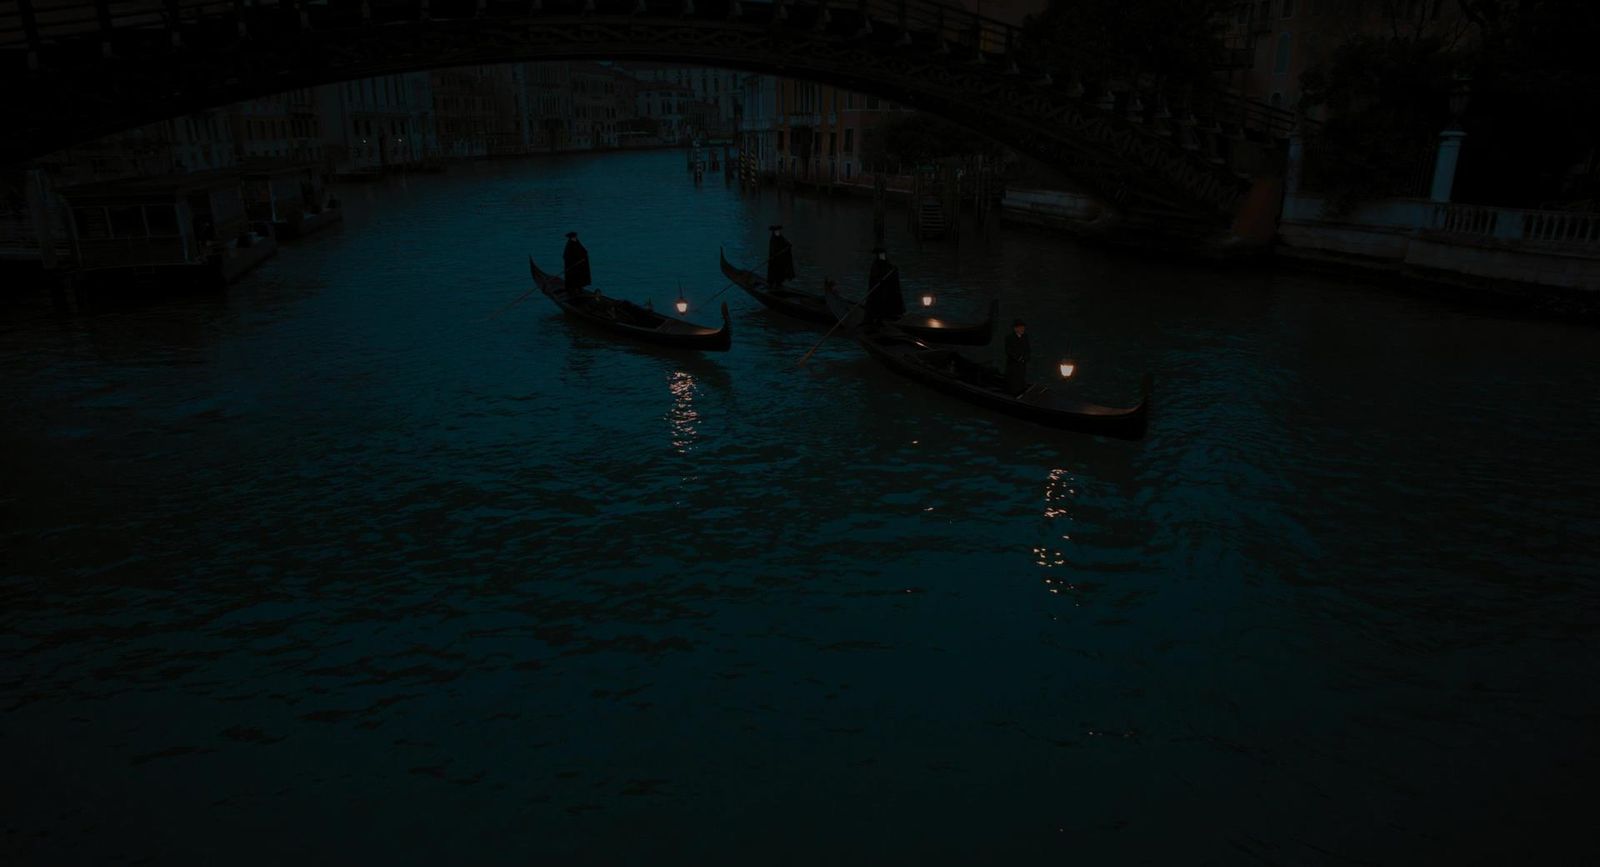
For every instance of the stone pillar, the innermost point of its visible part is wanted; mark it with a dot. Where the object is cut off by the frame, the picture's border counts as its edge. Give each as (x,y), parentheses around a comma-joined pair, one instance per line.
(43,225)
(1294,163)
(1444,165)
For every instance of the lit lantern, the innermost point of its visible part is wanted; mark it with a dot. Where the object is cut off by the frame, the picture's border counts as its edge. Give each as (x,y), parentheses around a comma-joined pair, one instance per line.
(1067,367)
(927,299)
(683,304)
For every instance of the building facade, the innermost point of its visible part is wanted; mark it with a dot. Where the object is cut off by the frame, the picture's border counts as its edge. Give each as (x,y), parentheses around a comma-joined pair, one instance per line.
(822,132)
(550,106)
(713,96)
(284,127)
(376,124)
(603,102)
(482,111)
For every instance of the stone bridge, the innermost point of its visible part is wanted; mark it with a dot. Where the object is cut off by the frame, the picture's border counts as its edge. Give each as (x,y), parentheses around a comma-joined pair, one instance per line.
(74,70)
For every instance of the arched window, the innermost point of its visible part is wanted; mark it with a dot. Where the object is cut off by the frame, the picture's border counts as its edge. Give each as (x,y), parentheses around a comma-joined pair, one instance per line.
(1281,63)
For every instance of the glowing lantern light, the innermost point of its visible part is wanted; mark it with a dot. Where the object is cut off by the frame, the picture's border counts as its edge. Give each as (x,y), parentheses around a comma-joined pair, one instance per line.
(683,305)
(1067,368)
(927,299)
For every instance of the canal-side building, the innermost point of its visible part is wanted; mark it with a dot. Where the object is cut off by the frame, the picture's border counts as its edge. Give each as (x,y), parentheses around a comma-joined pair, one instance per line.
(602,99)
(285,127)
(821,132)
(716,94)
(758,123)
(671,108)
(550,108)
(377,124)
(192,143)
(482,111)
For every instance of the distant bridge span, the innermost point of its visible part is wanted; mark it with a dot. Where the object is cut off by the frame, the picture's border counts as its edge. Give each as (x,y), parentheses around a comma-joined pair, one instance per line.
(75,70)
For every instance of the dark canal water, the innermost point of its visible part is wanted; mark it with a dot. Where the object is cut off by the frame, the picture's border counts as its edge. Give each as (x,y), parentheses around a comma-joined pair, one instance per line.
(336,569)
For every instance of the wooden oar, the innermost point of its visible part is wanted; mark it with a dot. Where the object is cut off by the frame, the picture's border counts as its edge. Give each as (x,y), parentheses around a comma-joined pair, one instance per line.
(535,288)
(731,283)
(863,304)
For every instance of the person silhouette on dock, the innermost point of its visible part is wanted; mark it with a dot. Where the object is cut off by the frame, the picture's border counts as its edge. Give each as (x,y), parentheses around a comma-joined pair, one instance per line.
(780,259)
(575,262)
(883,300)
(1018,351)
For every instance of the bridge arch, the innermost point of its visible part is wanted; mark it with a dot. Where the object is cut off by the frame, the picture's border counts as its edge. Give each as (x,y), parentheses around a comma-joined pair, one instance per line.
(122,63)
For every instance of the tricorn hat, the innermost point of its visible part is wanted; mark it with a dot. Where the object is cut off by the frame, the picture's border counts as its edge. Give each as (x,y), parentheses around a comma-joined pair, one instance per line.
(1016,322)
(572,234)
(776,227)
(879,249)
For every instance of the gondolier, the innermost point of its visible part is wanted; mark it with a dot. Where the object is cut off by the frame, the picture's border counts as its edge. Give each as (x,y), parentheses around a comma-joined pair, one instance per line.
(1018,352)
(575,264)
(780,259)
(883,301)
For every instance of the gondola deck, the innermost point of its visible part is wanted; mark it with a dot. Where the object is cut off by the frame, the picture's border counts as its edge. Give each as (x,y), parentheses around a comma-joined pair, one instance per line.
(627,318)
(948,371)
(814,308)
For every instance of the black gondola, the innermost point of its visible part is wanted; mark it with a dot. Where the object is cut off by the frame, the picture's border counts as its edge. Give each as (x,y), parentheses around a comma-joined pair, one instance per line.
(813,307)
(625,317)
(949,371)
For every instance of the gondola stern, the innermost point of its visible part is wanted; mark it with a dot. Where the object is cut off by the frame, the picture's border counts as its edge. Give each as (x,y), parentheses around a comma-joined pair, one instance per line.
(725,335)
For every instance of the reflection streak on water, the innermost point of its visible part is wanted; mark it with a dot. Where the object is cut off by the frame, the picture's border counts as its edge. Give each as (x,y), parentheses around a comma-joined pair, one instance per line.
(682,418)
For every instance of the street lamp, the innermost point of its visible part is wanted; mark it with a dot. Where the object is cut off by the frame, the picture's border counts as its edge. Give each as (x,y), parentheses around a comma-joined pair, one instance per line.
(927,299)
(1068,366)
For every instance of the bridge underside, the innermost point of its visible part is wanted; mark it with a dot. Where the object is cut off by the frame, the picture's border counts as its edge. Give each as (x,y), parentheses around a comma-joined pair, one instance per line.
(76,93)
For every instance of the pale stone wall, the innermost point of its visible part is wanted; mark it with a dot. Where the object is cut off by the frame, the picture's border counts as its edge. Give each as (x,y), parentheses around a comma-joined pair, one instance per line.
(1427,239)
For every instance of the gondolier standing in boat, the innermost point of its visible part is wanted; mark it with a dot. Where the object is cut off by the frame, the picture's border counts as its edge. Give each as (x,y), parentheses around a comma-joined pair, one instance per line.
(883,300)
(575,262)
(1018,351)
(780,259)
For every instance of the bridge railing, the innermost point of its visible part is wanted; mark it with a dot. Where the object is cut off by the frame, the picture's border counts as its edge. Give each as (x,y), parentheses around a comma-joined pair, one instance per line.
(32,22)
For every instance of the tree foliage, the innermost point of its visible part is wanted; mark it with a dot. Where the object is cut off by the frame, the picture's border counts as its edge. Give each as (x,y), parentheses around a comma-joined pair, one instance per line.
(1532,109)
(1387,99)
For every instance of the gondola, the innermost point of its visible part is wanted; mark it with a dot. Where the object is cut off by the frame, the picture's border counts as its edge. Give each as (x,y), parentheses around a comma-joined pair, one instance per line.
(627,318)
(949,371)
(813,307)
